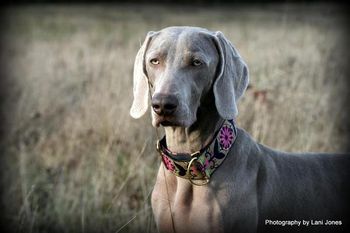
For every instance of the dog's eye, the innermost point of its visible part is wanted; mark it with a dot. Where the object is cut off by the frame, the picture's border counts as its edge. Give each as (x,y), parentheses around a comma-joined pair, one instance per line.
(154,61)
(196,62)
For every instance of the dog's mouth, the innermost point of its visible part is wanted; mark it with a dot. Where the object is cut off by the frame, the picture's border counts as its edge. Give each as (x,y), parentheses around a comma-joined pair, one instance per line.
(166,121)
(179,119)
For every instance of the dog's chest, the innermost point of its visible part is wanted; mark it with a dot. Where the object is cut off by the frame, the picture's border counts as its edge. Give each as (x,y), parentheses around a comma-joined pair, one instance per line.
(194,208)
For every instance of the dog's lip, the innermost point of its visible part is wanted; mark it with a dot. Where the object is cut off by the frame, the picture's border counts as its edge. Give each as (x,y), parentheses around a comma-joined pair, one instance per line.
(166,121)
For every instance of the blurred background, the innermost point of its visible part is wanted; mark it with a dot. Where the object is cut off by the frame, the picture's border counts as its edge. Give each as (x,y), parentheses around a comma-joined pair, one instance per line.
(73,160)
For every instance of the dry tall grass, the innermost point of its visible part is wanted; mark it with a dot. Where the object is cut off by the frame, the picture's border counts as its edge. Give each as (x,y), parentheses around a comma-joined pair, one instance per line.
(76,162)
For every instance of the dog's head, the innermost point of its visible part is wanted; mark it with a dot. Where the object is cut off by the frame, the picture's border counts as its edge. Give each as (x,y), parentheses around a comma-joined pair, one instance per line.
(183,64)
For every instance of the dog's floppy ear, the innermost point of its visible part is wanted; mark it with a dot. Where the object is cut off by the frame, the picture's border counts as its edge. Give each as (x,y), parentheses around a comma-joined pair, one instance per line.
(232,79)
(140,88)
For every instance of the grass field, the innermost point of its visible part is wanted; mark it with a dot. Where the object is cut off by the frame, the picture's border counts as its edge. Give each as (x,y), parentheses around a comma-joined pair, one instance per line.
(75,161)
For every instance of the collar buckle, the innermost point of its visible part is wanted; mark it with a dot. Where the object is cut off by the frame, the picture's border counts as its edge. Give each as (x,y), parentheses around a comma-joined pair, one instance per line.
(195,155)
(191,177)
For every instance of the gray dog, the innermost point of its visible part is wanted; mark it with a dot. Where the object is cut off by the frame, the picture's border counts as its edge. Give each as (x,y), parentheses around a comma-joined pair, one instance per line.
(195,78)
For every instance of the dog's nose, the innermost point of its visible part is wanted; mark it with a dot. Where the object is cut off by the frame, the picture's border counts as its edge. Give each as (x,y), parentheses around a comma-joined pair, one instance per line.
(164,104)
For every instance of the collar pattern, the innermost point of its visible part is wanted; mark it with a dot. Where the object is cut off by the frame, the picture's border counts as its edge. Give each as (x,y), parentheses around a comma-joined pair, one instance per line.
(198,167)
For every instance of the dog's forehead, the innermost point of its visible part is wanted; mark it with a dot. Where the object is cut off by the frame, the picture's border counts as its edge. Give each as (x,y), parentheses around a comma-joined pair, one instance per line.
(185,38)
(184,29)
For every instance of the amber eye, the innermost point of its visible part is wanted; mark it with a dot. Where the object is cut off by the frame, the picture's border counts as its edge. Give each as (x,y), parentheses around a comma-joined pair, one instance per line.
(196,62)
(154,61)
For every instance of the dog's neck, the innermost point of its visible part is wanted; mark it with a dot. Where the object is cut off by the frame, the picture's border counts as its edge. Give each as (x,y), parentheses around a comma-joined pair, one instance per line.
(199,134)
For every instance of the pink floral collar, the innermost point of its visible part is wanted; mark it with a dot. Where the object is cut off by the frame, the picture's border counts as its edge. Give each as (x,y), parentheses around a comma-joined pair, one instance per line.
(199,166)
